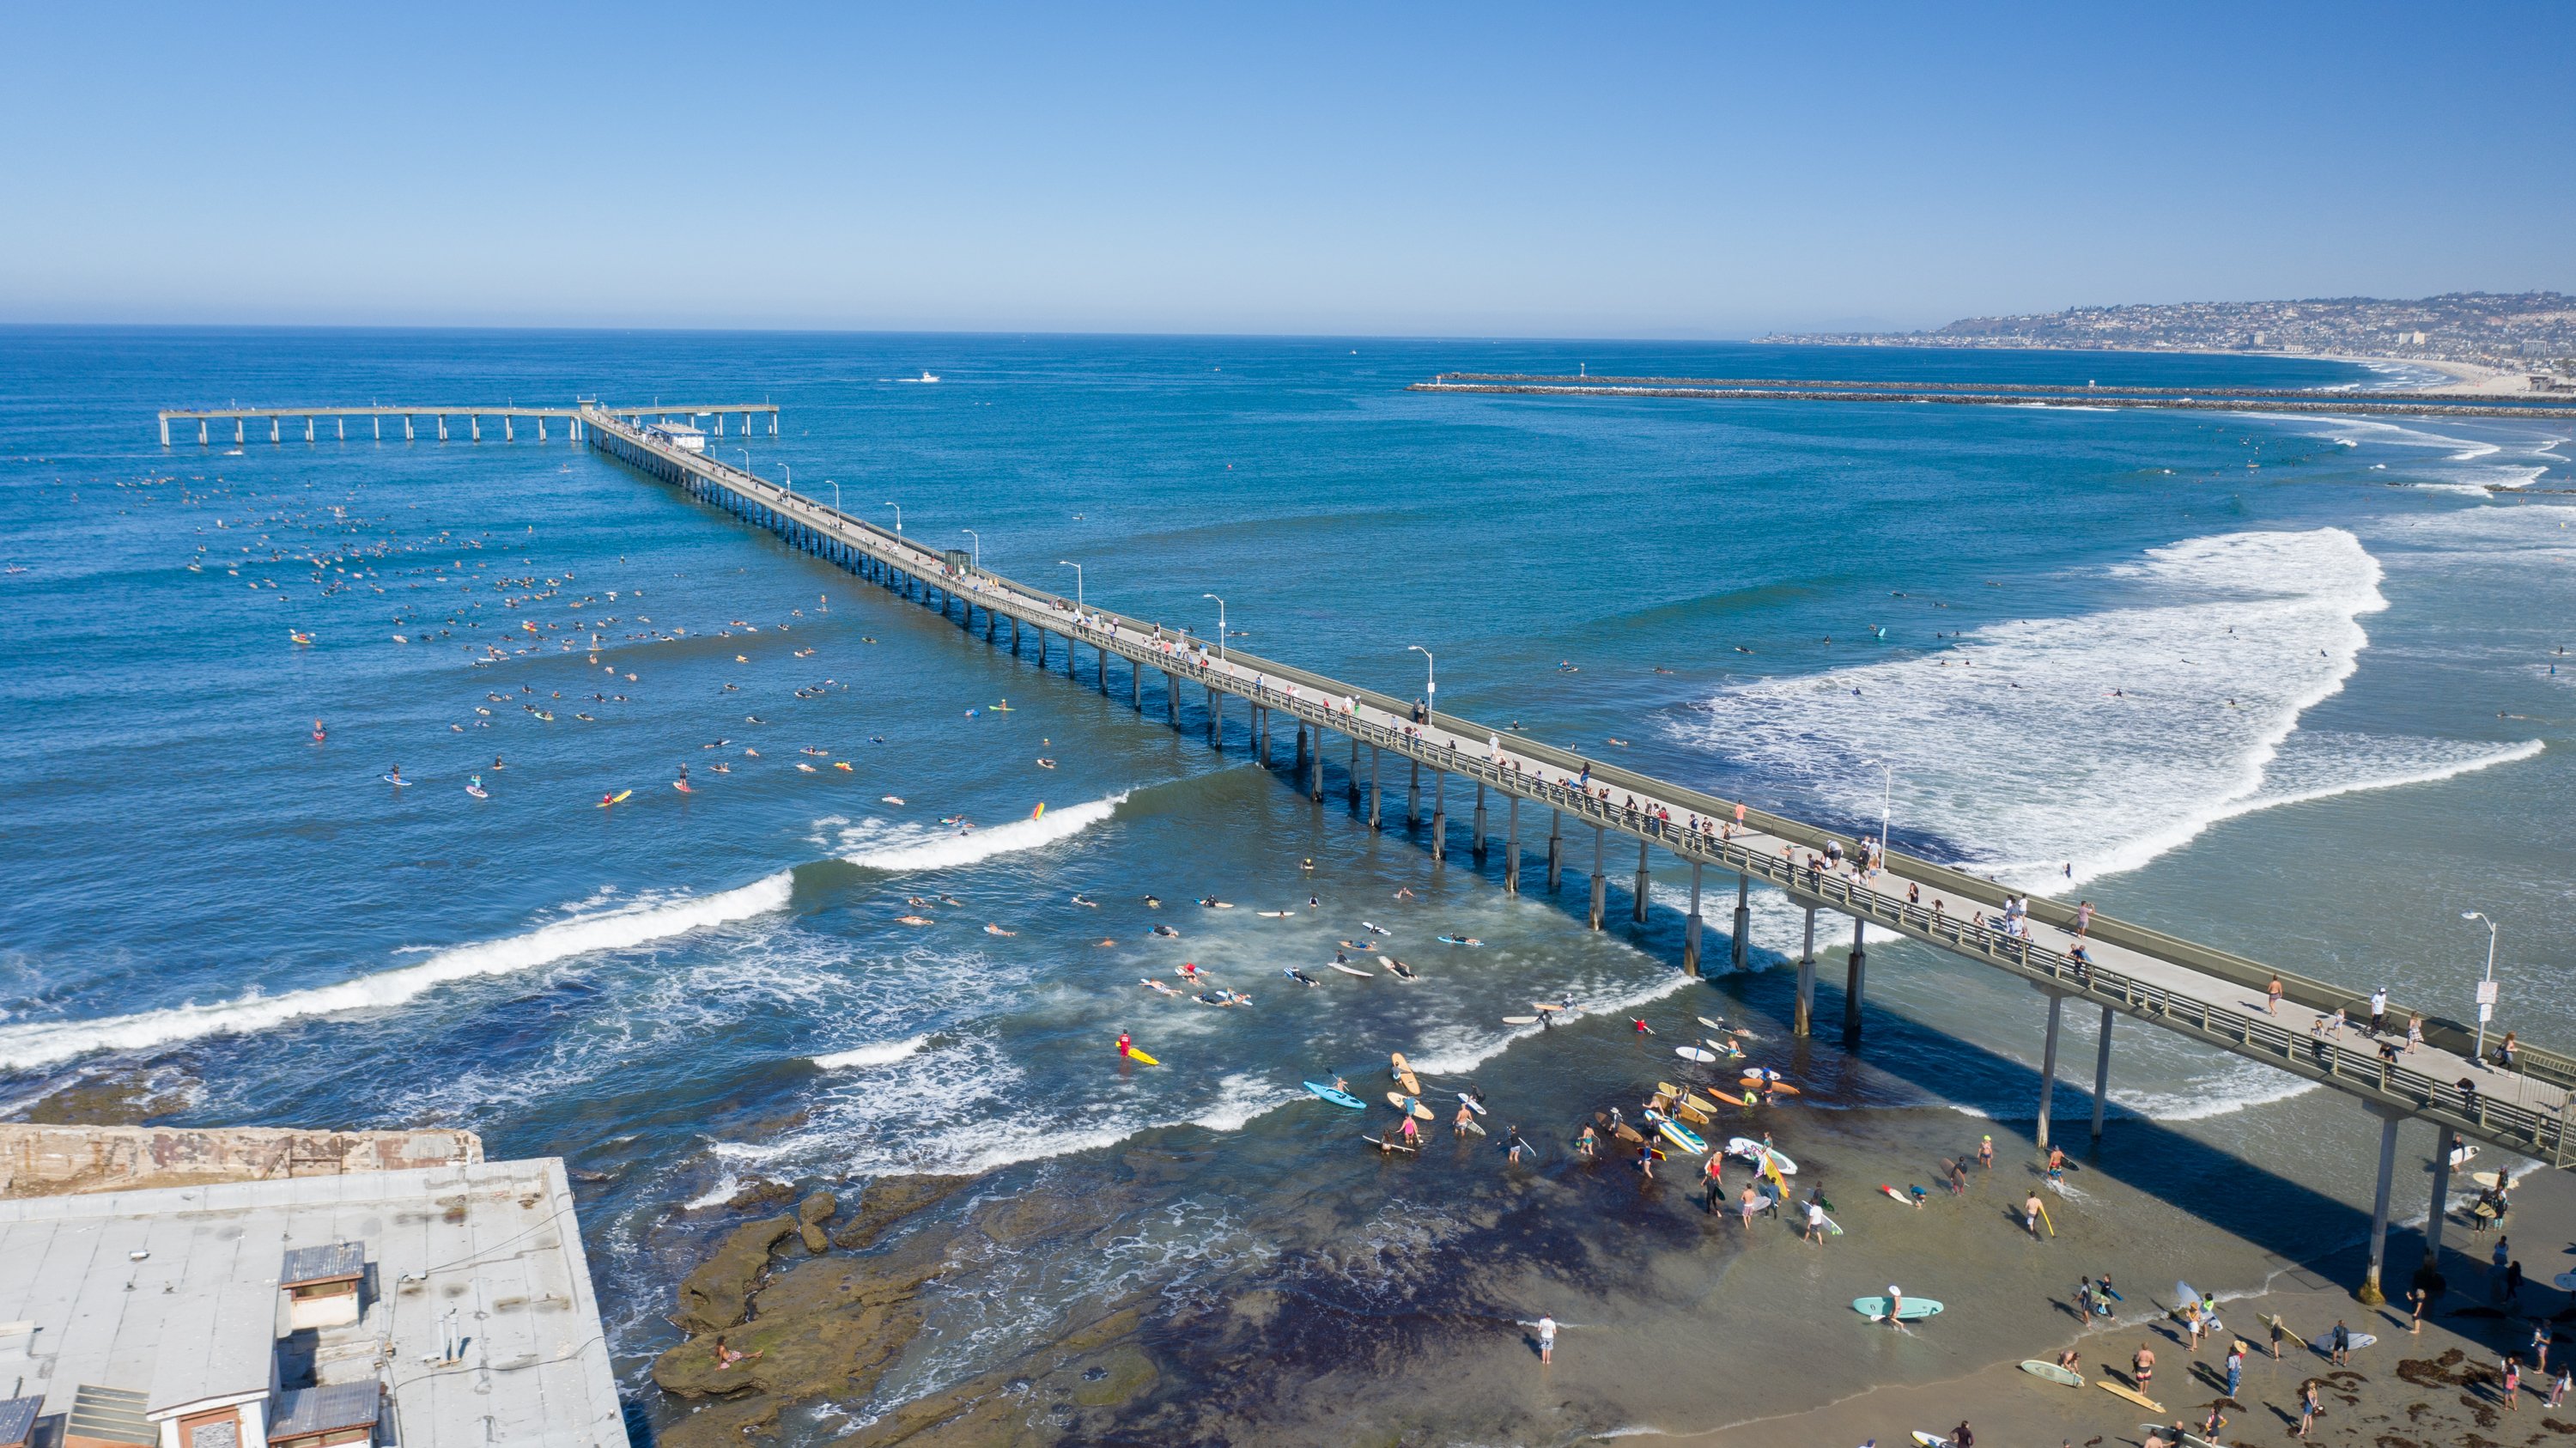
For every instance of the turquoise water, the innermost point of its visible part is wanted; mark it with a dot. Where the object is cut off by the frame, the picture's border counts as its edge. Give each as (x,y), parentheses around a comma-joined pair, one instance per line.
(2304,708)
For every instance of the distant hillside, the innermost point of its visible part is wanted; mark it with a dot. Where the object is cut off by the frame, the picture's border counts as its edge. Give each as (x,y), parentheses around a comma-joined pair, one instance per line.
(2529,332)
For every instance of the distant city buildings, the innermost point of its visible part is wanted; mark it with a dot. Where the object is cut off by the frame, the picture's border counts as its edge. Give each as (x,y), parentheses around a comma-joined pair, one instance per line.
(2525,332)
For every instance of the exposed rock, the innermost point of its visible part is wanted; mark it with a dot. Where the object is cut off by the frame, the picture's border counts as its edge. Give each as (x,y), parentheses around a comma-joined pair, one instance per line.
(718,1293)
(817,1209)
(123,1099)
(722,1425)
(761,1192)
(815,1241)
(823,1328)
(889,1201)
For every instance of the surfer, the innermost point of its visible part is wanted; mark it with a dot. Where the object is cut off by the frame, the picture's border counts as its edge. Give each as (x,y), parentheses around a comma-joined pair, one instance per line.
(317,731)
(1124,1042)
(1642,1028)
(1153,902)
(1299,976)
(1160,929)
(1546,1339)
(2071,1360)
(2142,1368)
(1513,1146)
(1465,1118)
(1815,1223)
(1587,1145)
(1895,1294)
(2029,1214)
(1085,901)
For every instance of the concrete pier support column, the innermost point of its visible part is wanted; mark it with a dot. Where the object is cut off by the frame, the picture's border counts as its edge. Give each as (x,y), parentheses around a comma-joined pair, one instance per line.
(1171,699)
(2370,1295)
(1136,686)
(379,421)
(343,424)
(1015,630)
(541,427)
(1375,797)
(1261,734)
(1858,976)
(1216,720)
(239,431)
(308,427)
(1637,911)
(2048,1065)
(274,429)
(1555,850)
(2439,1216)
(2102,1072)
(1512,846)
(1104,669)
(509,429)
(442,427)
(1299,766)
(201,432)
(165,432)
(1600,881)
(1476,843)
(1805,1020)
(1439,816)
(1315,768)
(474,424)
(1413,797)
(407,427)
(1741,951)
(1354,773)
(1690,927)
(992,622)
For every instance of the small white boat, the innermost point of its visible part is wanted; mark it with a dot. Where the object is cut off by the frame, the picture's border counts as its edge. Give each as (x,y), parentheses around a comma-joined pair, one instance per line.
(926,376)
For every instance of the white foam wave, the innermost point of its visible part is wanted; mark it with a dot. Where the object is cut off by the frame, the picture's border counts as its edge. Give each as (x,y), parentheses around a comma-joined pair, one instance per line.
(38,1044)
(877,845)
(2100,740)
(884,1054)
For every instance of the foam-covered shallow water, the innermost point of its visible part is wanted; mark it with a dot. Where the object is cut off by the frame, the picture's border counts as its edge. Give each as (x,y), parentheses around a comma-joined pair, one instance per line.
(2310,709)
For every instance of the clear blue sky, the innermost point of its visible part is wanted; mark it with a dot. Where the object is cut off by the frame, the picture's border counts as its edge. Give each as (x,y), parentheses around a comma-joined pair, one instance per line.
(1596,170)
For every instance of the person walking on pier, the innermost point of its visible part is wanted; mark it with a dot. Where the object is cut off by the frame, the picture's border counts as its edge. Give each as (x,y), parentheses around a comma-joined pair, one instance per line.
(2272,995)
(2378,1010)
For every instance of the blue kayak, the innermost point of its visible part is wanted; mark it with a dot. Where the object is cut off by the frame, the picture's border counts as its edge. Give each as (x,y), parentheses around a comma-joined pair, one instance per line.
(1338,1098)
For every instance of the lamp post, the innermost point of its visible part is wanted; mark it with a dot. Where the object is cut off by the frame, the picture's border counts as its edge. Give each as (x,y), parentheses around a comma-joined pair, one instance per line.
(1430,680)
(2486,983)
(898,515)
(836,495)
(1077,580)
(1886,792)
(979,547)
(1220,626)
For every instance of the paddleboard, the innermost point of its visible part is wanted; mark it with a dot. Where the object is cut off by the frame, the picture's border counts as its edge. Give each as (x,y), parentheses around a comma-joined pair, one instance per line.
(1929,1440)
(1916,1309)
(1362,974)
(1754,1151)
(1694,1053)
(1691,1100)
(1386,1145)
(617,798)
(2143,1401)
(1627,1133)
(2167,1431)
(2052,1372)
(1766,1083)
(1140,1058)
(2487,1179)
(2324,1341)
(395,780)
(1520,1020)
(1473,1104)
(1832,1227)
(477,791)
(1722,1096)
(1397,1099)
(1682,1136)
(1690,1113)
(1337,1097)
(1272,914)
(1470,1125)
(1895,1195)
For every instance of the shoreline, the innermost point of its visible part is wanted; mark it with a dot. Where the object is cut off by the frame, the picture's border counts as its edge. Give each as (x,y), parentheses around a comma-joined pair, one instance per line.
(2470,378)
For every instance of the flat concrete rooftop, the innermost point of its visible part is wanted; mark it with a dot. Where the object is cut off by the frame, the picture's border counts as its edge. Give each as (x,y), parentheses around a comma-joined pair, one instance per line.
(475,1312)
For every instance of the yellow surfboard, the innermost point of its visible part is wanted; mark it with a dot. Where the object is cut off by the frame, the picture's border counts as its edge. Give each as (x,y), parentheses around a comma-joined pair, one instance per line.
(2043,1216)
(617,798)
(2134,1396)
(1140,1058)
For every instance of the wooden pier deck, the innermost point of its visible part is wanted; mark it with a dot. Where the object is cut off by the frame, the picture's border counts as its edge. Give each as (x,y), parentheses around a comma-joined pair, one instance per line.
(2126,970)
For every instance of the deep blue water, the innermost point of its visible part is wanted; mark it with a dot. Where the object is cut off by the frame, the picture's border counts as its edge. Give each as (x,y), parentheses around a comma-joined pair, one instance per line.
(2271,682)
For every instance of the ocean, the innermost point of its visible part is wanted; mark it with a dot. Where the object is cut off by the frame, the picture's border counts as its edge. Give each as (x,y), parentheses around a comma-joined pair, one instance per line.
(2290,685)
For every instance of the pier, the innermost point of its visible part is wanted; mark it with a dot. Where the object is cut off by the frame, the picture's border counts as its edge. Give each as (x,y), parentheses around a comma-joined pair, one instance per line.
(508,415)
(2202,399)
(2123,970)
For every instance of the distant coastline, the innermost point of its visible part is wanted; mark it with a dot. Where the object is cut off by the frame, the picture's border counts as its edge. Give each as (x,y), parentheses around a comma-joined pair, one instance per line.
(2487,343)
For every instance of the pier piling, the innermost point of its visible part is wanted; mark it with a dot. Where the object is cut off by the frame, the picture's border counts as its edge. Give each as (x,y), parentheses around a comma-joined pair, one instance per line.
(1690,927)
(1555,851)
(1439,816)
(2102,1072)
(1374,797)
(1637,911)
(1852,984)
(1600,880)
(1512,845)
(1413,796)
(1741,949)
(2048,1064)
(2370,1295)
(1804,1022)
(2447,1143)
(1476,845)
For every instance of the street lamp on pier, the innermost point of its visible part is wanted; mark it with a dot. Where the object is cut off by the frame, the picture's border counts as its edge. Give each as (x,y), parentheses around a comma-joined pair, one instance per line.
(1220,626)
(2486,983)
(1077,580)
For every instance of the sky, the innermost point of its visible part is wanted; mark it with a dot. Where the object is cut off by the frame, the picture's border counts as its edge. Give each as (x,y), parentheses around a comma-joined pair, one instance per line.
(1702,171)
